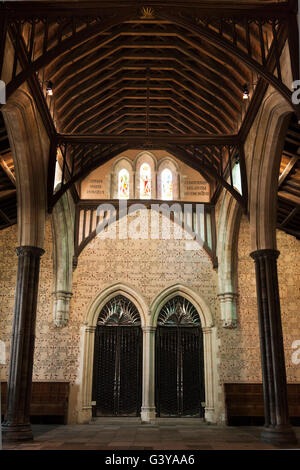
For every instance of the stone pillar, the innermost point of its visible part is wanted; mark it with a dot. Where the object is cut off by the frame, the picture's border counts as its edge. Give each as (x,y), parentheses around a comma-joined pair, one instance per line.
(208,375)
(148,404)
(16,425)
(277,429)
(85,412)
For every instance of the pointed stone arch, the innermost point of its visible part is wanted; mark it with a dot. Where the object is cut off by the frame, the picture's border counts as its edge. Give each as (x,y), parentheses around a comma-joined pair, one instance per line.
(88,338)
(30,150)
(197,300)
(209,338)
(263,169)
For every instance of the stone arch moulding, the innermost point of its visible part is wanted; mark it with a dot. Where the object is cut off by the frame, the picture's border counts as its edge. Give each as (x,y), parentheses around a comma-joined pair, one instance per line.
(30,150)
(62,222)
(228,230)
(209,339)
(88,338)
(264,167)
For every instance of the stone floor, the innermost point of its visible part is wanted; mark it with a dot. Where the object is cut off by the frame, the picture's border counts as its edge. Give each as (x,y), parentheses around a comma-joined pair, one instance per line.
(129,433)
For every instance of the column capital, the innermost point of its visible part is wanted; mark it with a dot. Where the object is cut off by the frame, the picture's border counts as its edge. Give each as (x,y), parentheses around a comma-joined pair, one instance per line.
(149,329)
(265,253)
(26,250)
(227,296)
(90,328)
(207,329)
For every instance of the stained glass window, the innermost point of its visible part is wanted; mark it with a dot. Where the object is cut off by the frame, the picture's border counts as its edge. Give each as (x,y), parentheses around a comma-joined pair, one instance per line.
(166,184)
(145,181)
(123,184)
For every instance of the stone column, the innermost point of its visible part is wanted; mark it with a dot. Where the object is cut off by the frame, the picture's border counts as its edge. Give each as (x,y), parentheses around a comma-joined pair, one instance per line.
(16,425)
(208,375)
(148,404)
(277,429)
(85,412)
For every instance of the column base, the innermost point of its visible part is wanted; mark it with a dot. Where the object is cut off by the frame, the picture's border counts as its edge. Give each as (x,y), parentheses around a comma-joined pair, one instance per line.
(16,432)
(148,415)
(85,415)
(279,435)
(209,415)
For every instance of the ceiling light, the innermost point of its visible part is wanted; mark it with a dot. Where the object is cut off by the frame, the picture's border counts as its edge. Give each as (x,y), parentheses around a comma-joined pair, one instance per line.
(245,92)
(49,88)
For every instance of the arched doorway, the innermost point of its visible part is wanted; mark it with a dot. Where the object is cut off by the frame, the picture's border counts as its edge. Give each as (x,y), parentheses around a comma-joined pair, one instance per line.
(117,372)
(180,387)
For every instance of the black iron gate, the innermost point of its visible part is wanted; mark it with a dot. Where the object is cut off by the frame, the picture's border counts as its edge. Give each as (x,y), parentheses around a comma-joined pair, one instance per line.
(180,389)
(117,381)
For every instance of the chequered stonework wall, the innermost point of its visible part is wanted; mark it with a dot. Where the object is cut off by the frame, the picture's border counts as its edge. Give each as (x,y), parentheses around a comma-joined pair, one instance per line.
(149,266)
(239,349)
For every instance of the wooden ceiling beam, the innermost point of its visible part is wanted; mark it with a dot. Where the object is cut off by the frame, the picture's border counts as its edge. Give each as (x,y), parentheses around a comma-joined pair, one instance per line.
(290,216)
(141,117)
(173,109)
(199,139)
(210,100)
(8,172)
(81,127)
(91,102)
(181,40)
(91,8)
(289,197)
(5,217)
(86,79)
(62,72)
(286,172)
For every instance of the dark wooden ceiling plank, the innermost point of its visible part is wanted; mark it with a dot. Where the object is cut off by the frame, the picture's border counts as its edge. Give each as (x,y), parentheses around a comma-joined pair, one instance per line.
(8,172)
(289,197)
(220,75)
(214,104)
(5,217)
(290,216)
(179,41)
(88,78)
(122,103)
(207,126)
(179,125)
(92,99)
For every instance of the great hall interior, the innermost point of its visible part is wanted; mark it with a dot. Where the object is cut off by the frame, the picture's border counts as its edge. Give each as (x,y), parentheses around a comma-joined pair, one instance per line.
(150,219)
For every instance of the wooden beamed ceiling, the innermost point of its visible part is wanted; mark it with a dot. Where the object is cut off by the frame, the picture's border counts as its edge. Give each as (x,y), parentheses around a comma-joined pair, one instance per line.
(147,77)
(8,193)
(133,71)
(288,213)
(134,76)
